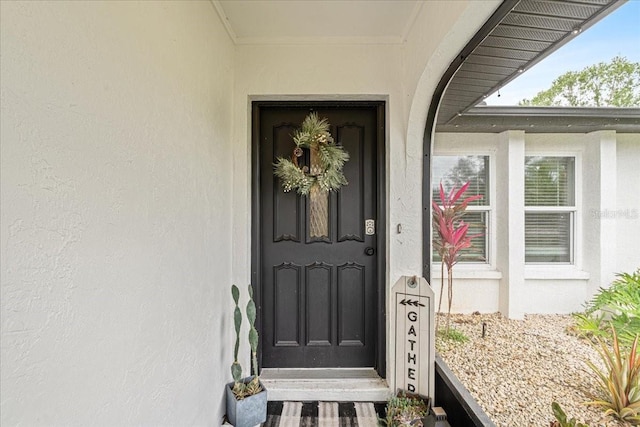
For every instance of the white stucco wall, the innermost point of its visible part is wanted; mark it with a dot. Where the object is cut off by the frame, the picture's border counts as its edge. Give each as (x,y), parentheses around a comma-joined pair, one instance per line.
(627,212)
(606,228)
(276,72)
(116,182)
(126,180)
(360,71)
(404,75)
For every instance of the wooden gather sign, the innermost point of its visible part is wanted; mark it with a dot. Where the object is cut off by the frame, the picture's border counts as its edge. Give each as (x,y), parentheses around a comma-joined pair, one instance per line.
(414,332)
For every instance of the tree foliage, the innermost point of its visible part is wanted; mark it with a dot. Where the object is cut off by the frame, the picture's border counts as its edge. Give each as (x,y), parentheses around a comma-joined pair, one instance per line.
(606,84)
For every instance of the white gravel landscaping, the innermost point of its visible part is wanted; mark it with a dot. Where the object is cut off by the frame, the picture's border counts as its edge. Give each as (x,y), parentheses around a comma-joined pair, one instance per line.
(521,366)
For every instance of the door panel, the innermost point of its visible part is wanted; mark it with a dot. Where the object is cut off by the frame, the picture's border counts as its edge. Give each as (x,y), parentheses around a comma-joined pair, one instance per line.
(319,284)
(350,198)
(352,297)
(318,295)
(286,290)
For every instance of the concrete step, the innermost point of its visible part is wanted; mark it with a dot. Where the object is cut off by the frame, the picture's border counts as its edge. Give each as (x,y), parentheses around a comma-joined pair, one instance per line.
(333,385)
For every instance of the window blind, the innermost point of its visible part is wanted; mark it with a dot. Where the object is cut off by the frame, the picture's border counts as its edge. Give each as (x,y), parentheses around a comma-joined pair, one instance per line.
(549,181)
(548,236)
(455,171)
(549,209)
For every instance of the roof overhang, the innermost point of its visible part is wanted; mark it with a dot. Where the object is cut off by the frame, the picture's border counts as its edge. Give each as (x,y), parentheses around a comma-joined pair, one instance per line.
(527,33)
(486,119)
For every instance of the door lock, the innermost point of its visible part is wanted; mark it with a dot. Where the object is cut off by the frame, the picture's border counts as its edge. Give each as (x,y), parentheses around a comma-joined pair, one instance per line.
(370,227)
(369,251)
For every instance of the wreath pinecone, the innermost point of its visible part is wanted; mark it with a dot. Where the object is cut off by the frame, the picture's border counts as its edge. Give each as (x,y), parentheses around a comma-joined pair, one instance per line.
(313,135)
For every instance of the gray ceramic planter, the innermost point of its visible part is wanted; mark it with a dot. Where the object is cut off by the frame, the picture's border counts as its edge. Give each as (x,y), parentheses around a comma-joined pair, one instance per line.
(248,412)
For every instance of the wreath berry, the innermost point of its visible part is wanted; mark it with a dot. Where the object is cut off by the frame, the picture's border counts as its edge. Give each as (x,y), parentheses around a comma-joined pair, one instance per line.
(327,175)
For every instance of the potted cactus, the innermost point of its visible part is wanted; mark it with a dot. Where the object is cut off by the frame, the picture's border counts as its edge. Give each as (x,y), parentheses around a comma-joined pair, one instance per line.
(246,397)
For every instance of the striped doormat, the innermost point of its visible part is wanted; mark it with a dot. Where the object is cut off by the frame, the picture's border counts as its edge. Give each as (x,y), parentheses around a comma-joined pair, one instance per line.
(324,414)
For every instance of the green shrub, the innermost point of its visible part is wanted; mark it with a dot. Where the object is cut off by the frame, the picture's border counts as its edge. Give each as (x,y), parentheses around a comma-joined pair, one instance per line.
(403,410)
(619,306)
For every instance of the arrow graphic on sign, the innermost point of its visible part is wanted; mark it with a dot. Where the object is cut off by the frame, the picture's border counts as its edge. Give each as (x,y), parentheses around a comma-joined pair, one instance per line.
(411,302)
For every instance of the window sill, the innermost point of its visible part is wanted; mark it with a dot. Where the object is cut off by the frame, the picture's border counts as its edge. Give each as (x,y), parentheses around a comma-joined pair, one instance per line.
(555,272)
(477,272)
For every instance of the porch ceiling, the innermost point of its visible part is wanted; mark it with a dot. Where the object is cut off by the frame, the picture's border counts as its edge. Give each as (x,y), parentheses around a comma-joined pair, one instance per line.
(529,32)
(524,34)
(312,21)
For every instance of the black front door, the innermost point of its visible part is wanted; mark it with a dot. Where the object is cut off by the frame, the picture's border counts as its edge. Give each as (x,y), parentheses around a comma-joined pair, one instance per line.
(318,293)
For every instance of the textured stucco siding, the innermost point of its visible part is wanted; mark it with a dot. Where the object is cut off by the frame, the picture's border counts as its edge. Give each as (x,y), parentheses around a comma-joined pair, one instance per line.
(126,192)
(607,222)
(116,166)
(627,210)
(404,75)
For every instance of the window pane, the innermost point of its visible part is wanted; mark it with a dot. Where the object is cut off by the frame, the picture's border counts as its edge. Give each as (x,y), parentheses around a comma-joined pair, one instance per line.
(477,221)
(457,170)
(547,236)
(549,181)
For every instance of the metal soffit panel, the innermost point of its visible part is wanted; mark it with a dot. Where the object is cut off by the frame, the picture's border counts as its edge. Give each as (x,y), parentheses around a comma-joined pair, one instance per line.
(532,30)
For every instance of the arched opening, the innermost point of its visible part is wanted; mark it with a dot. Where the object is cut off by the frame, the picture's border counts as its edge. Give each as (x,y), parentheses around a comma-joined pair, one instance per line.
(429,129)
(518,35)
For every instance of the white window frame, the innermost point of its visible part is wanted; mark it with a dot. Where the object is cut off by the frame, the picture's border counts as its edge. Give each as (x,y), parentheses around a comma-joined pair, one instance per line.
(575,252)
(490,237)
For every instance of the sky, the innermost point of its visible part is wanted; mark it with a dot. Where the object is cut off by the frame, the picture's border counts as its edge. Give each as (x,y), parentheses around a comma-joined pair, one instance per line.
(616,34)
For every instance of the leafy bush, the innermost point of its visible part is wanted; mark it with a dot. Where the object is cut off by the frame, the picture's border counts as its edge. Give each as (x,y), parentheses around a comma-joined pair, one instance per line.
(561,418)
(619,381)
(618,305)
(404,410)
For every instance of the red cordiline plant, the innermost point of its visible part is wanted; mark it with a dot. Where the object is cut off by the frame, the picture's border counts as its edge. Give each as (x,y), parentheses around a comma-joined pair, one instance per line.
(451,235)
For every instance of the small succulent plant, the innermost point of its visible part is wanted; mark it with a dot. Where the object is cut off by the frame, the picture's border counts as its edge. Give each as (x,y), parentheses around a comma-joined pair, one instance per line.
(403,410)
